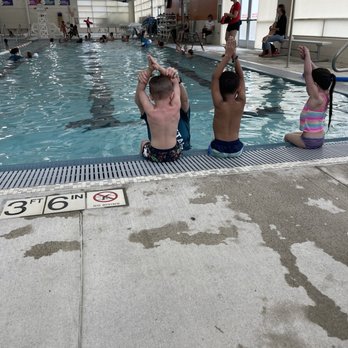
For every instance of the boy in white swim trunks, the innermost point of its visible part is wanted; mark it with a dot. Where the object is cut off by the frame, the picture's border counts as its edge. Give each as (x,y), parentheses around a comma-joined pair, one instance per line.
(228,93)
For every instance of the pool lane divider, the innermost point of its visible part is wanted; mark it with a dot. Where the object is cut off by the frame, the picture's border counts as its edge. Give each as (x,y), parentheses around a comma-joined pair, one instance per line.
(62,203)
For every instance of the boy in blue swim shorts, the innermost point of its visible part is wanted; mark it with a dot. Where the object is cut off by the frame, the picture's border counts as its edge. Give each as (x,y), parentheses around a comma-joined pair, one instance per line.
(228,94)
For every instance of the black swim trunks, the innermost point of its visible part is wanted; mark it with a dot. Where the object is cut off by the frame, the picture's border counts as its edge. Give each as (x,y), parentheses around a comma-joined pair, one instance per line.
(156,155)
(234,26)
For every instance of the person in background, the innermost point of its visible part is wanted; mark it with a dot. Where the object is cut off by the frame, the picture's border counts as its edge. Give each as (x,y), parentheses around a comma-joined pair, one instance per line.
(15,55)
(183,132)
(209,27)
(228,93)
(88,24)
(71,31)
(162,108)
(63,30)
(320,84)
(31,55)
(6,44)
(184,50)
(111,36)
(75,31)
(234,20)
(185,30)
(276,34)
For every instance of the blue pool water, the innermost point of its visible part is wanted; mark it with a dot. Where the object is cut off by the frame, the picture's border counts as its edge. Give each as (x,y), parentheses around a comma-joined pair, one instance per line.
(77,101)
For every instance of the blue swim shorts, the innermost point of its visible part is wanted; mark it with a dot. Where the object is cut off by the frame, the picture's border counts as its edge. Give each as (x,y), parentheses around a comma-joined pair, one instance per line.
(225,149)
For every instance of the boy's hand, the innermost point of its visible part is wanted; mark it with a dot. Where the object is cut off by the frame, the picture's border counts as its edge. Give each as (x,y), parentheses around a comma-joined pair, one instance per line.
(143,77)
(230,47)
(172,73)
(304,51)
(153,63)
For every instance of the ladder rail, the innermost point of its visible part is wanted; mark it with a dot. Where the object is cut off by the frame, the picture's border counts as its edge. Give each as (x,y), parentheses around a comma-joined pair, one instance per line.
(335,58)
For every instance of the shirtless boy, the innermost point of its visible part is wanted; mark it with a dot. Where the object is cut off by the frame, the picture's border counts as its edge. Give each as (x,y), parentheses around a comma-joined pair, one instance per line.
(162,108)
(228,93)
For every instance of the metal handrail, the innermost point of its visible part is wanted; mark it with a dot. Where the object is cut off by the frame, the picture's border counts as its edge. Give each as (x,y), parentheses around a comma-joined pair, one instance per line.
(334,60)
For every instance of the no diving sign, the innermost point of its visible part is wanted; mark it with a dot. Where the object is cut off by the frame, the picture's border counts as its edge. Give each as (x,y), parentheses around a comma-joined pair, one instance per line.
(61,203)
(103,199)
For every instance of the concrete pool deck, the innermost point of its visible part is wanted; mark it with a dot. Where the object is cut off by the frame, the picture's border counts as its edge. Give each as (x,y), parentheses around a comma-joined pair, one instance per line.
(255,259)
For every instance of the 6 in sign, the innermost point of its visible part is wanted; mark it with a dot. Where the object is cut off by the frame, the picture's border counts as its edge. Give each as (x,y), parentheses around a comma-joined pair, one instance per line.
(105,197)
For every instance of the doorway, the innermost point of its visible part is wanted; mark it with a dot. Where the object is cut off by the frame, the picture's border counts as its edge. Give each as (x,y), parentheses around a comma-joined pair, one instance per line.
(247,31)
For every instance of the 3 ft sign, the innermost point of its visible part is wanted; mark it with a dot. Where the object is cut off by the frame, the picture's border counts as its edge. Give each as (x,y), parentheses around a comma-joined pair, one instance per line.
(62,203)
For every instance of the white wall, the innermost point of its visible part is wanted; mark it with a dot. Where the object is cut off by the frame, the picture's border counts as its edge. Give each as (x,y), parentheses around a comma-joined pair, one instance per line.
(321,18)
(103,13)
(15,15)
(144,8)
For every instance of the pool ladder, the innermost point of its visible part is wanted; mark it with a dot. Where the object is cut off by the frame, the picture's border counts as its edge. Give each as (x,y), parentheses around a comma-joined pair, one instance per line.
(334,60)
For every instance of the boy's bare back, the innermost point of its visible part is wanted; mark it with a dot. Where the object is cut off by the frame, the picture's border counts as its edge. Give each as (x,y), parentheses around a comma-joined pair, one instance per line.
(163,121)
(163,115)
(229,107)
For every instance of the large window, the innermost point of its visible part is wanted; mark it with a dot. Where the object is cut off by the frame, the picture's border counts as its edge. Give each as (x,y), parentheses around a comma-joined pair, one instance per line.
(144,8)
(103,13)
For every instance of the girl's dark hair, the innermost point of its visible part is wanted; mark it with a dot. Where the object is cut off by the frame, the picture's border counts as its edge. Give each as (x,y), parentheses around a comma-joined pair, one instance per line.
(325,80)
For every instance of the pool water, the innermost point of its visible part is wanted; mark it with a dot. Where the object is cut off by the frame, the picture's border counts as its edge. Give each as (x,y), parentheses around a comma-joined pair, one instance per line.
(77,101)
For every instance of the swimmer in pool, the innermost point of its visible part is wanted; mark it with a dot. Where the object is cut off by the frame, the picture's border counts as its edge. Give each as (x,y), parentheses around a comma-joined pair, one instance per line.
(162,108)
(15,54)
(320,84)
(228,93)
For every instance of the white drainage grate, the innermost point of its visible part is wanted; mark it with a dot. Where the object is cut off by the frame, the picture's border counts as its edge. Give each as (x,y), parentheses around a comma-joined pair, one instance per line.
(113,168)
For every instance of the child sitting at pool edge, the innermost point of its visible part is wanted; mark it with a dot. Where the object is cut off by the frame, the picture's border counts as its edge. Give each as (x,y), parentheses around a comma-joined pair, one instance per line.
(320,84)
(228,93)
(163,113)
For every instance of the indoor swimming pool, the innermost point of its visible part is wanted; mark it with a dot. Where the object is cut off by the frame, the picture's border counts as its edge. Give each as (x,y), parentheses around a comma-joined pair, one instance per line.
(77,101)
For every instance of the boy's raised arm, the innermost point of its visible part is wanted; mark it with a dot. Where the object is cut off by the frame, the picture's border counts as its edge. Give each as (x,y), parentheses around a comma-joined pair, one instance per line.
(215,87)
(174,76)
(239,71)
(140,94)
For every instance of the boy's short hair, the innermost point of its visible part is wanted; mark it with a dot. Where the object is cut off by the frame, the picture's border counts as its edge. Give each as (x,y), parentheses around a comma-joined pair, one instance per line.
(228,83)
(161,87)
